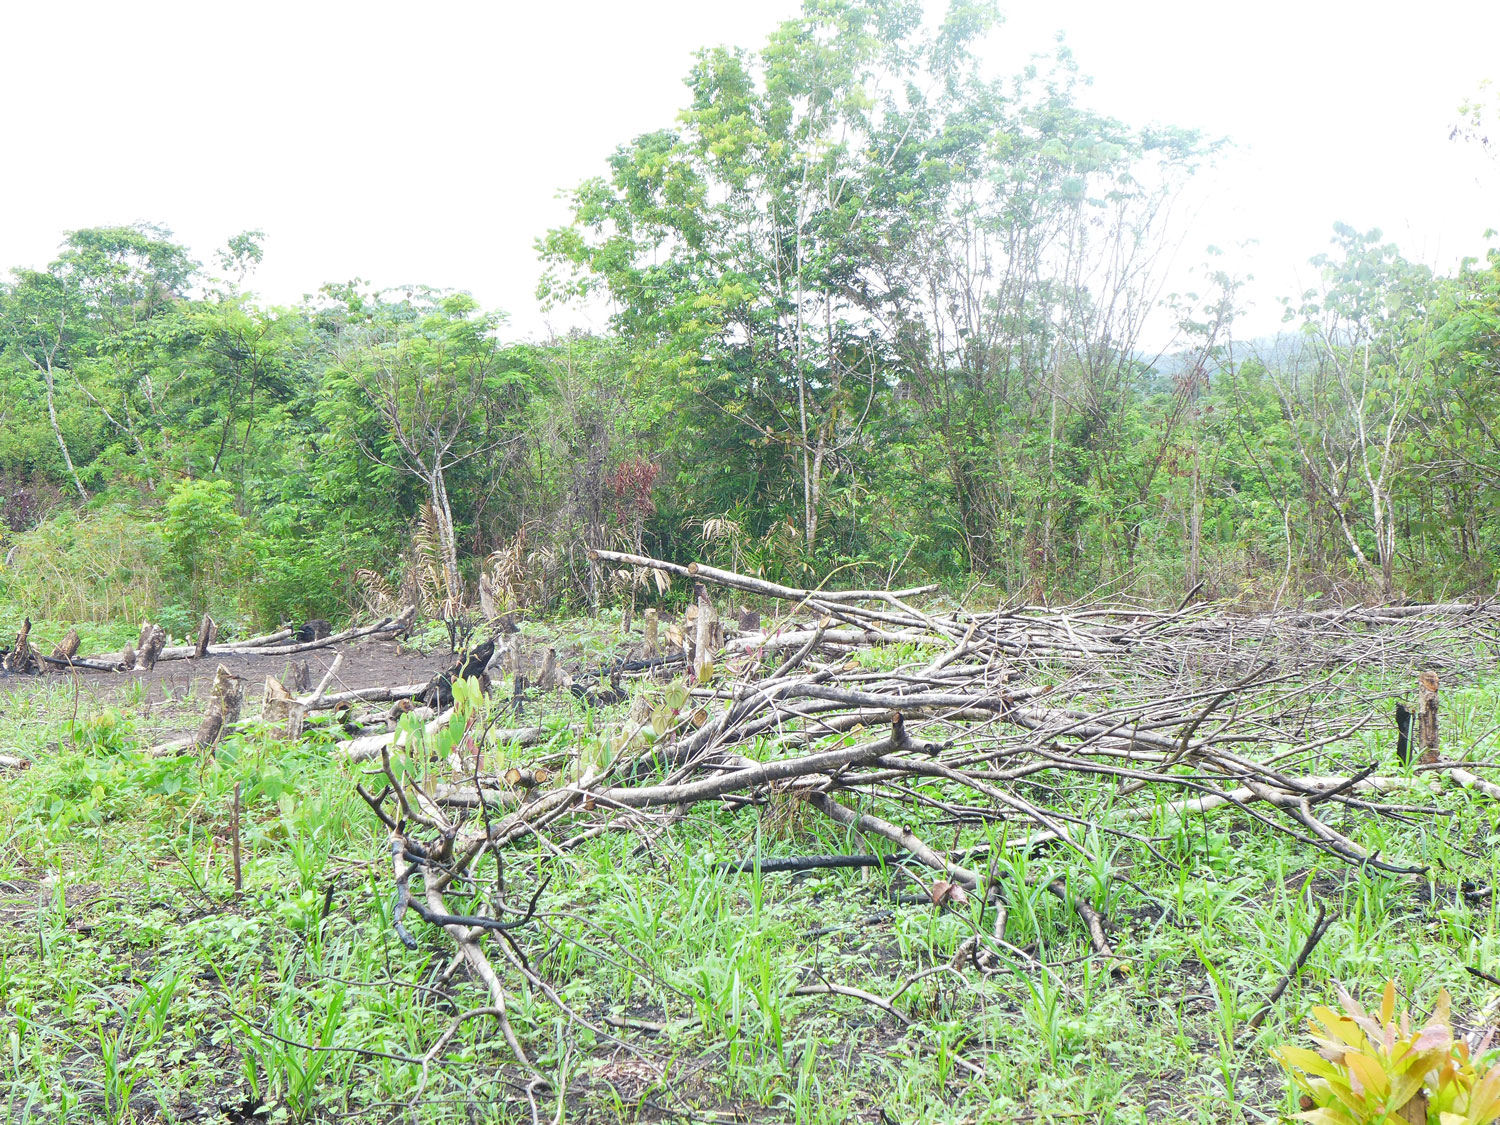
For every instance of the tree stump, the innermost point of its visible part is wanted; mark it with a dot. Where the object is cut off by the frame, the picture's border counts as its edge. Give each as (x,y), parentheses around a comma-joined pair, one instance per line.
(1427,716)
(208,632)
(67,648)
(649,649)
(546,679)
(703,645)
(20,658)
(748,620)
(1405,728)
(300,676)
(148,650)
(296,721)
(276,702)
(223,709)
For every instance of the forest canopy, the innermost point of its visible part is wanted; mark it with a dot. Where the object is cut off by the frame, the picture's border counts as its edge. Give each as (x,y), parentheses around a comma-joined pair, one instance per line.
(870,309)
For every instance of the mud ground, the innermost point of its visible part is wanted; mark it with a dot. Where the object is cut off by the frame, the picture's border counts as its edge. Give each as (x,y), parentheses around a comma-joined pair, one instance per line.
(170,698)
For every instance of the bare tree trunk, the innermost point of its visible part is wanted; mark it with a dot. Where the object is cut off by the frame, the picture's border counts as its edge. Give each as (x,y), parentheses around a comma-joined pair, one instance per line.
(1051,480)
(62,443)
(1385,537)
(1195,522)
(447,538)
(815,494)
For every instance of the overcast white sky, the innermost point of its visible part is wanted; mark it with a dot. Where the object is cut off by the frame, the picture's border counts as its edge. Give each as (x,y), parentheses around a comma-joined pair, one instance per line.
(427,143)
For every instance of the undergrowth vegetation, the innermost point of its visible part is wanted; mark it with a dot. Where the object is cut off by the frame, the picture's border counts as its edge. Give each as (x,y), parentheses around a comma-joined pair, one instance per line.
(136,981)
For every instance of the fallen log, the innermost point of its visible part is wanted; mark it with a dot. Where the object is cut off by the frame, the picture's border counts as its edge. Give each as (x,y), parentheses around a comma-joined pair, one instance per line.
(1005,716)
(188,652)
(268,645)
(834,638)
(328,677)
(279,704)
(756,585)
(393,625)
(1093,922)
(1466,780)
(363,695)
(85,664)
(757,774)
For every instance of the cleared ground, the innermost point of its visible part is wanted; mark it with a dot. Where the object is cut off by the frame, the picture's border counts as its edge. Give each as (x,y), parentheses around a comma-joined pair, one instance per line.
(136,984)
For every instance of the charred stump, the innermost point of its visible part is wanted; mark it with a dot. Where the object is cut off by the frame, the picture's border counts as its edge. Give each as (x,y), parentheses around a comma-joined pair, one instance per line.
(21,658)
(439,691)
(208,632)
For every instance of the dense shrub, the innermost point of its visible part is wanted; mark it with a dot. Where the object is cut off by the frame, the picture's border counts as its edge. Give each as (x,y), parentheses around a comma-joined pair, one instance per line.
(103,565)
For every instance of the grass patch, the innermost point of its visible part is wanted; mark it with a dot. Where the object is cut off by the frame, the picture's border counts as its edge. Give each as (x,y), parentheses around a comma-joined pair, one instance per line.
(136,985)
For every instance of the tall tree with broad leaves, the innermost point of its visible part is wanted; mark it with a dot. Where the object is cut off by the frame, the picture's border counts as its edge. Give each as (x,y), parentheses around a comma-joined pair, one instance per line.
(857,205)
(425,366)
(1029,240)
(122,289)
(733,246)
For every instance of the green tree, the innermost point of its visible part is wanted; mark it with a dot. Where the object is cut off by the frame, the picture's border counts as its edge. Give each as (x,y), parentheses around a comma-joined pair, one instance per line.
(1455,443)
(202,532)
(428,370)
(1350,392)
(856,209)
(36,320)
(105,315)
(736,246)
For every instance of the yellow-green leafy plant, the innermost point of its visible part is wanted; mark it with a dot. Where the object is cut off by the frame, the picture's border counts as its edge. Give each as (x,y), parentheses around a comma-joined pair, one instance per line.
(1368,1069)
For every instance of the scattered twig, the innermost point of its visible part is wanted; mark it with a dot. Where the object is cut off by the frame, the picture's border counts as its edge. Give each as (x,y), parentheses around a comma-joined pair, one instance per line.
(1319,928)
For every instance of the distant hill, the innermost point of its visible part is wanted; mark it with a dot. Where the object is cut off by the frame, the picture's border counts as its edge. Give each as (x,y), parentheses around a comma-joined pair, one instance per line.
(1281,346)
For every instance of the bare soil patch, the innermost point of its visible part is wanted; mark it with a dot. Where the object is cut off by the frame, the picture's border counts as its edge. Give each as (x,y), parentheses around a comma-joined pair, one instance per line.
(170,698)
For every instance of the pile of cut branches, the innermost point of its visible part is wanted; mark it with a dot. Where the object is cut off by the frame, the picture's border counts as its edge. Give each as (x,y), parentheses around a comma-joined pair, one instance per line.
(974,719)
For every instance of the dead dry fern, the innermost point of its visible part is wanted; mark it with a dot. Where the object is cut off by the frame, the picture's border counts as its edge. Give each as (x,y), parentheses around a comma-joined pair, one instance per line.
(431,579)
(520,575)
(375,593)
